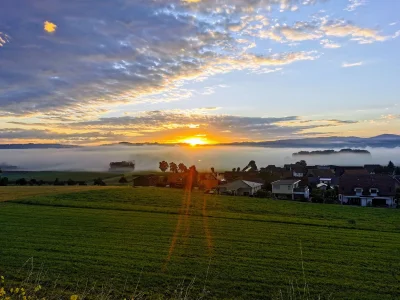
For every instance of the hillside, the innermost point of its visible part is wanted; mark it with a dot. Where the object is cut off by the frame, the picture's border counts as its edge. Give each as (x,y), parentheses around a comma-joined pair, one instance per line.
(231,247)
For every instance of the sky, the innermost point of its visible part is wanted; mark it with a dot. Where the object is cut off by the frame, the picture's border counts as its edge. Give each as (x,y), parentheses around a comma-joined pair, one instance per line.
(199,71)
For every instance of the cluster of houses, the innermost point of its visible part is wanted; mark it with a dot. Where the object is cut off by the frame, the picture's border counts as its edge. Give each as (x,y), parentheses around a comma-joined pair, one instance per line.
(353,185)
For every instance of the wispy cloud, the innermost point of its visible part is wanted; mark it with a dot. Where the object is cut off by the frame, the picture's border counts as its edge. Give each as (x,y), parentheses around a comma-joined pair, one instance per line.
(354,4)
(349,65)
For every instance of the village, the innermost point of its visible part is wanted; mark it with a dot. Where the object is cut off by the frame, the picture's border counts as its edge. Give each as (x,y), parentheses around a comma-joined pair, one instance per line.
(368,185)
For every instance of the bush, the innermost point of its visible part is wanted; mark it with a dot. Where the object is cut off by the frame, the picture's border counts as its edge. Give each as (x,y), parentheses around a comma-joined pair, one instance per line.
(71,182)
(123,180)
(3,181)
(21,181)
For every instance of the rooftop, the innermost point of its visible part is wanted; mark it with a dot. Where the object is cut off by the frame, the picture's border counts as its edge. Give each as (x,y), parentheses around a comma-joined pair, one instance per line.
(286,181)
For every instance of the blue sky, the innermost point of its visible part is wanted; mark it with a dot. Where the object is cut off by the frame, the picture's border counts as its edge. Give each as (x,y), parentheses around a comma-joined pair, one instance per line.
(102,71)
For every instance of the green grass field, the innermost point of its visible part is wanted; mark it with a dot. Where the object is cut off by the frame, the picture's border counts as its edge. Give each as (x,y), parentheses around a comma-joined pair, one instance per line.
(61,175)
(233,247)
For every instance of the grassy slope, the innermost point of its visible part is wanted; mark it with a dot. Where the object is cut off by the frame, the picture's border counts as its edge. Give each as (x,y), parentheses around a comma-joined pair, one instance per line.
(252,245)
(20,192)
(61,175)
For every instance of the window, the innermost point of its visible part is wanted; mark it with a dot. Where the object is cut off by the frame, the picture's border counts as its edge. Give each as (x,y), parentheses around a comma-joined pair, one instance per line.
(289,187)
(374,191)
(359,190)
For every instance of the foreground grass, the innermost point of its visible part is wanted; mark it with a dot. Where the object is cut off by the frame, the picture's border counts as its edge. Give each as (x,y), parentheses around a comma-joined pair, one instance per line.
(22,192)
(232,247)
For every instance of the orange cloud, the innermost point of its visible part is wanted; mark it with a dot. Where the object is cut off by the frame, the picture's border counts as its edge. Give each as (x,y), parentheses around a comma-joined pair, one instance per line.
(49,27)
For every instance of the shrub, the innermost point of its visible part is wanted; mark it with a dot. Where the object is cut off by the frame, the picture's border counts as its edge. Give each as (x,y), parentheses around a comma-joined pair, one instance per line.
(123,180)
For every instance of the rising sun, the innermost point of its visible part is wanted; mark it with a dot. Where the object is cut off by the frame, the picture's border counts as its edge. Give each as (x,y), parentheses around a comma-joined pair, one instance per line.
(194,141)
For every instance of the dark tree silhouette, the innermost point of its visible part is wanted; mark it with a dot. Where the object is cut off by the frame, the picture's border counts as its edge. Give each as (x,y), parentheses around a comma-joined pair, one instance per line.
(302,163)
(391,166)
(163,166)
(21,181)
(182,168)
(99,182)
(173,167)
(238,169)
(251,166)
(234,170)
(3,181)
(212,170)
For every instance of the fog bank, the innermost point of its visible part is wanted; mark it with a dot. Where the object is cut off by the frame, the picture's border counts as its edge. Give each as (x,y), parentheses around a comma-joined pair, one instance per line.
(148,157)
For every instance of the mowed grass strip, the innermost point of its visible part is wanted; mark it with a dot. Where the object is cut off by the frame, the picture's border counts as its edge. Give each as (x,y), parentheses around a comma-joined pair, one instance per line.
(252,248)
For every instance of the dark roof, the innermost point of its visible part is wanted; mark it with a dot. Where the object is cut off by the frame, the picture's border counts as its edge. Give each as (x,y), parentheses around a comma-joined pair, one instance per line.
(299,169)
(286,181)
(371,168)
(384,183)
(321,173)
(356,172)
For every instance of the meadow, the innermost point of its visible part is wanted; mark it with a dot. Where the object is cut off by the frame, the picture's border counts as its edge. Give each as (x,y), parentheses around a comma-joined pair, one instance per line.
(158,242)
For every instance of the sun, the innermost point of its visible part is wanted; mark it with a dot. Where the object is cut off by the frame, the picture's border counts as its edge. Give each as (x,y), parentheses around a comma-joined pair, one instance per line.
(194,141)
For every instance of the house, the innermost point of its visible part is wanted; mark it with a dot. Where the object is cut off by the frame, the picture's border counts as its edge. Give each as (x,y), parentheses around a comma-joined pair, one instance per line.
(340,170)
(397,179)
(317,176)
(290,189)
(299,171)
(248,176)
(371,168)
(240,188)
(177,179)
(207,181)
(367,190)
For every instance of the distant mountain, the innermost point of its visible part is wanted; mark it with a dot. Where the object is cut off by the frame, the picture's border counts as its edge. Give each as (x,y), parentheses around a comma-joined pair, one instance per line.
(35,146)
(384,140)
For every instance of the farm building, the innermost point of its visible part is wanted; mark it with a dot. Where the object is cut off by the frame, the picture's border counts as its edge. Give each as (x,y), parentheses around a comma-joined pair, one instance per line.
(240,188)
(367,190)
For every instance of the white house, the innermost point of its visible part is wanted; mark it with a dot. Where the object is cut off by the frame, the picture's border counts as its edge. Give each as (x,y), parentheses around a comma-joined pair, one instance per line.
(240,188)
(367,190)
(289,189)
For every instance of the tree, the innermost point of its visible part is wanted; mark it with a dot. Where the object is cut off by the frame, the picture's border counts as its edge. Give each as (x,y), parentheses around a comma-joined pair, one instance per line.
(238,169)
(317,196)
(397,171)
(163,166)
(234,170)
(302,163)
(182,168)
(253,166)
(71,182)
(173,167)
(3,181)
(21,181)
(212,170)
(99,182)
(391,166)
(123,180)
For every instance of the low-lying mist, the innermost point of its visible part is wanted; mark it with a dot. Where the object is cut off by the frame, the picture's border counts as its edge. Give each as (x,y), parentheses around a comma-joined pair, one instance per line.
(148,157)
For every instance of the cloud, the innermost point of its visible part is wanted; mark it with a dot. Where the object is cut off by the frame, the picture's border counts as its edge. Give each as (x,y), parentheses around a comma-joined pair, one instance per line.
(4,38)
(131,52)
(349,65)
(346,29)
(167,125)
(49,27)
(329,44)
(354,4)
